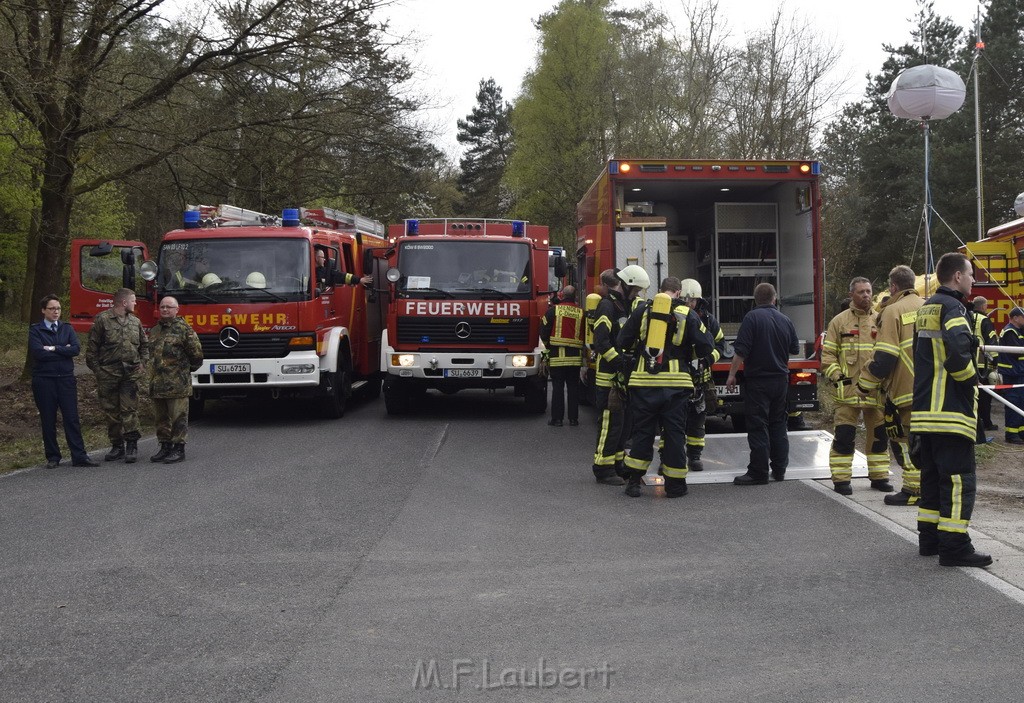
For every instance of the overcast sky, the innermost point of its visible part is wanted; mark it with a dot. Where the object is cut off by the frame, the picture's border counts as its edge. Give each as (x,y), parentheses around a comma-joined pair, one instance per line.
(460,42)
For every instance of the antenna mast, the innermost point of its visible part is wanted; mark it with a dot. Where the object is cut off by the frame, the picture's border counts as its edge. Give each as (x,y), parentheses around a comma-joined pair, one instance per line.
(979,46)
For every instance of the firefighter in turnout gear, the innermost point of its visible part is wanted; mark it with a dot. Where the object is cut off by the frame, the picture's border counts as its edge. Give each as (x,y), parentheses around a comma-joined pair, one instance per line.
(621,289)
(891,371)
(562,330)
(944,419)
(664,335)
(847,348)
(117,353)
(1011,368)
(703,385)
(175,351)
(985,331)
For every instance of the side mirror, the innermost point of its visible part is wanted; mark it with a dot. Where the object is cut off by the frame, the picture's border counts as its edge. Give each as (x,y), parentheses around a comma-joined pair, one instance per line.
(367,261)
(561,267)
(101,249)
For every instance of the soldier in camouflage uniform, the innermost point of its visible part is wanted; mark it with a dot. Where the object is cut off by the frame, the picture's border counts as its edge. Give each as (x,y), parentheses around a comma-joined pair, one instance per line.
(175,351)
(117,353)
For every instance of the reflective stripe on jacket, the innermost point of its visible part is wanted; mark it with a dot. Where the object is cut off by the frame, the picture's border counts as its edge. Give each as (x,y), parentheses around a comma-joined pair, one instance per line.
(945,379)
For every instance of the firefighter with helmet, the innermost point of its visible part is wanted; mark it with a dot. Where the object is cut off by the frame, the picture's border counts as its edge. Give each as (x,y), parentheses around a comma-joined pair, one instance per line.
(703,385)
(664,335)
(621,289)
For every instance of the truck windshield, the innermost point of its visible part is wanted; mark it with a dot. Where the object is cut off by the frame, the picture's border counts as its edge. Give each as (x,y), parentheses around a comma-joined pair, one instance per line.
(464,269)
(221,270)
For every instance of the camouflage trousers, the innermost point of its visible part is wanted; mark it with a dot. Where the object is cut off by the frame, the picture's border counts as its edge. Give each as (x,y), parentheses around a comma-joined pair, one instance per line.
(171,418)
(119,403)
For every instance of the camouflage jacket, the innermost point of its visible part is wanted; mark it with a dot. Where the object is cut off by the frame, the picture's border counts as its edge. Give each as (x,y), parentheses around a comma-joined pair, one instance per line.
(175,351)
(117,346)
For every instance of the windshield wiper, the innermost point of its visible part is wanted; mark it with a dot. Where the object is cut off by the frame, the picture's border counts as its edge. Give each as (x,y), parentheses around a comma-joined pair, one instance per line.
(264,290)
(501,293)
(443,293)
(180,293)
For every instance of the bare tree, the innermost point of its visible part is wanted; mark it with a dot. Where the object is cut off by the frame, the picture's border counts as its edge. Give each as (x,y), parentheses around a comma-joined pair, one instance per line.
(113,87)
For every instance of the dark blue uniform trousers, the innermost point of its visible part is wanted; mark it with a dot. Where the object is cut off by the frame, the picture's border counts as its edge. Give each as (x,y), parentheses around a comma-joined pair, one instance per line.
(51,393)
(764,404)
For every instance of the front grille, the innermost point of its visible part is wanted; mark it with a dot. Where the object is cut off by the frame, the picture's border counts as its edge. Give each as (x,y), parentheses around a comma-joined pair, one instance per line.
(250,346)
(445,330)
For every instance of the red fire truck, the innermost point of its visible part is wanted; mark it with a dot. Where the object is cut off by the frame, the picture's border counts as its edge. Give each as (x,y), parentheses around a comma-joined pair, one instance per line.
(464,309)
(728,224)
(998,268)
(271,323)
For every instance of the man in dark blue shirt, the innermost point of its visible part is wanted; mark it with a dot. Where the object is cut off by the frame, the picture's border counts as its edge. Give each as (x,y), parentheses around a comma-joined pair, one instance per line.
(763,345)
(53,347)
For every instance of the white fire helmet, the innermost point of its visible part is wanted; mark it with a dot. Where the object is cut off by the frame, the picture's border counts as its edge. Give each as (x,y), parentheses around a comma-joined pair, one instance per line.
(634,275)
(256,280)
(209,280)
(690,289)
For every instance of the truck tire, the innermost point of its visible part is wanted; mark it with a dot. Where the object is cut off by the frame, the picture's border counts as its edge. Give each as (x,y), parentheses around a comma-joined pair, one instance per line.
(337,387)
(196,408)
(536,395)
(396,396)
(371,391)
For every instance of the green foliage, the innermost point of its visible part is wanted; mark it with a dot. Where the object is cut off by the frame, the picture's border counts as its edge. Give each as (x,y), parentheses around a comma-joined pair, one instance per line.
(873,178)
(559,120)
(488,132)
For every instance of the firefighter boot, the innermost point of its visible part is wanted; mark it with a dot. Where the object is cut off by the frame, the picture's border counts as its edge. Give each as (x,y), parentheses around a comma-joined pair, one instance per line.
(973,559)
(883,485)
(176,454)
(165,449)
(901,497)
(843,488)
(131,451)
(694,462)
(635,484)
(116,452)
(675,487)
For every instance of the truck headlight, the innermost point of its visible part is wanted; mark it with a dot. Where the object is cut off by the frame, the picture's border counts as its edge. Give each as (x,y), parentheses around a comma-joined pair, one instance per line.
(522,361)
(297,368)
(403,359)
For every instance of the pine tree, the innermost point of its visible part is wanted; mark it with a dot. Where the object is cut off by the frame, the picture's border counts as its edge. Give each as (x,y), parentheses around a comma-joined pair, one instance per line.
(488,132)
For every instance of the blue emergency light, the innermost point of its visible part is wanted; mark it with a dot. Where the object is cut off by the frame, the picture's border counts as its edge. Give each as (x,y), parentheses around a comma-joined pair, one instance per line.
(518,228)
(412,227)
(290,217)
(192,219)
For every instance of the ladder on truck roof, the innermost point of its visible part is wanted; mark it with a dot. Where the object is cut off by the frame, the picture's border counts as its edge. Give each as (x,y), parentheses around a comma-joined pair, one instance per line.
(232,216)
(336,219)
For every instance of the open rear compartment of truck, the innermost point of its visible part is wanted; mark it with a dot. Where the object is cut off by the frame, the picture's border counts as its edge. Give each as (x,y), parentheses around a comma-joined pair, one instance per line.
(730,226)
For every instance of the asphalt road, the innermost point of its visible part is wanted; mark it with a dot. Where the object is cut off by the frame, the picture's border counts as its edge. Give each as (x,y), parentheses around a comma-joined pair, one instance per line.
(465,554)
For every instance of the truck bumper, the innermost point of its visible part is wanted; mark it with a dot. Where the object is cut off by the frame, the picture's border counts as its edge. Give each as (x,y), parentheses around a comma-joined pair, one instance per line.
(296,374)
(462,369)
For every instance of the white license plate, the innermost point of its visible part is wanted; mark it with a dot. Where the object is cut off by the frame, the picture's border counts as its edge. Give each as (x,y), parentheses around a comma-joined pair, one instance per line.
(230,368)
(463,373)
(724,390)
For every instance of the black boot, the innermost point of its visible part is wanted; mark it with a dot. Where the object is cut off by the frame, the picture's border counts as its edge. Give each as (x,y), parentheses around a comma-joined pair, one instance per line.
(675,487)
(635,484)
(131,451)
(176,454)
(165,449)
(901,498)
(694,462)
(843,488)
(883,485)
(116,452)
(979,559)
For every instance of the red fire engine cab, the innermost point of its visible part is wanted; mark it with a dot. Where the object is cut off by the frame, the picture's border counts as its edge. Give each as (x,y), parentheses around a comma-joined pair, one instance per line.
(272,324)
(464,307)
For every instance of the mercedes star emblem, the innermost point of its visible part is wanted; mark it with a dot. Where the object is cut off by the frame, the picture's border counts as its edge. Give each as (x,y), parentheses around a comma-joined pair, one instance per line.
(229,338)
(463,330)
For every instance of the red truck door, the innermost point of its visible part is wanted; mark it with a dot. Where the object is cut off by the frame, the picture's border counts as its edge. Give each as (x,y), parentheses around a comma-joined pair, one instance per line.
(98,269)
